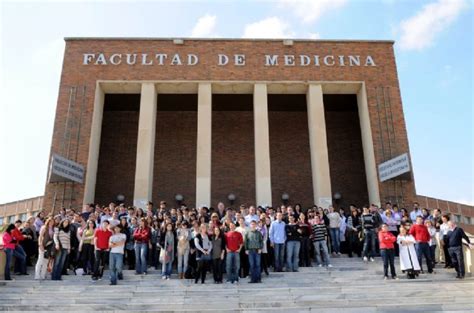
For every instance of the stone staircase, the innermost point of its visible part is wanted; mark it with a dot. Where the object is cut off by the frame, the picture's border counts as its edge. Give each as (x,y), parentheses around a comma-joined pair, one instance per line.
(350,286)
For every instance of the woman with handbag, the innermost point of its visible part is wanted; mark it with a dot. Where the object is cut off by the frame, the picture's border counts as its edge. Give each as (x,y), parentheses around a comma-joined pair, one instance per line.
(62,242)
(167,252)
(45,248)
(203,252)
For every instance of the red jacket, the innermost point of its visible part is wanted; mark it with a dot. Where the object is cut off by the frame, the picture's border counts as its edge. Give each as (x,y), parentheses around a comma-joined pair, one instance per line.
(17,235)
(420,232)
(386,240)
(7,241)
(141,235)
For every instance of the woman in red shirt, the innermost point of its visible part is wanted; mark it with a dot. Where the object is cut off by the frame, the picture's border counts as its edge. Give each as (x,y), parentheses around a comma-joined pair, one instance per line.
(141,235)
(387,250)
(9,244)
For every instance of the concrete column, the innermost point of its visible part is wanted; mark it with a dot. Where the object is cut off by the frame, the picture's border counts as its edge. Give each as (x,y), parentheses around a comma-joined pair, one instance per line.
(262,146)
(94,145)
(145,146)
(368,147)
(318,146)
(204,140)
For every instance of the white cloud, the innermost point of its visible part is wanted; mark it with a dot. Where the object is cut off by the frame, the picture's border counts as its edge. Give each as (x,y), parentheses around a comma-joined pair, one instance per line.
(314,36)
(420,30)
(271,27)
(205,26)
(311,10)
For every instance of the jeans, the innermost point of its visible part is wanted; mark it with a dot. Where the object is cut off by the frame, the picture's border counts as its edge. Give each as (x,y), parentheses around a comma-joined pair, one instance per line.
(457,260)
(183,261)
(140,257)
(232,266)
(254,261)
(166,269)
(423,249)
(279,250)
(115,266)
(388,256)
(99,262)
(292,255)
(59,264)
(19,258)
(20,267)
(318,246)
(335,239)
(369,240)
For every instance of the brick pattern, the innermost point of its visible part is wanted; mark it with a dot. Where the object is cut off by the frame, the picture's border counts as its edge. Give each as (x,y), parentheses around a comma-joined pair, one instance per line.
(117,156)
(233,160)
(175,156)
(384,75)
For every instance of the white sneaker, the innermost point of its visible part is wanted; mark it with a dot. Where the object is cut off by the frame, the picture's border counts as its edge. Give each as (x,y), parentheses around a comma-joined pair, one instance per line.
(329,265)
(167,278)
(365,259)
(163,277)
(339,253)
(372,260)
(320,265)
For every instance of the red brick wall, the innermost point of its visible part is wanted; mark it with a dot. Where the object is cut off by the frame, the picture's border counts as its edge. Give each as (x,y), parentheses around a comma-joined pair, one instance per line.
(75,74)
(233,161)
(289,149)
(175,150)
(117,156)
(346,158)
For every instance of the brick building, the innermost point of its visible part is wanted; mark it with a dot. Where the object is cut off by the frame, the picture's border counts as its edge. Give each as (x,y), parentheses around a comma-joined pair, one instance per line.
(205,118)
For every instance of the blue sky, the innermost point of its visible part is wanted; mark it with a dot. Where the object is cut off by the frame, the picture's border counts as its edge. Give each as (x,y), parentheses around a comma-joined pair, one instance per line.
(434,51)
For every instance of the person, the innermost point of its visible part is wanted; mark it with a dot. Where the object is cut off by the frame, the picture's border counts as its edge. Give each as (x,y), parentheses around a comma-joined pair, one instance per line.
(62,242)
(262,227)
(252,216)
(318,234)
(183,236)
(167,243)
(29,245)
(334,232)
(45,248)
(387,251)
(392,223)
(277,241)
(128,230)
(116,245)
(253,242)
(408,258)
(153,247)
(218,252)
(415,213)
(432,241)
(353,230)
(9,243)
(293,244)
(20,268)
(101,247)
(203,252)
(244,260)
(141,236)
(420,232)
(454,237)
(443,239)
(305,259)
(368,228)
(39,221)
(234,243)
(86,248)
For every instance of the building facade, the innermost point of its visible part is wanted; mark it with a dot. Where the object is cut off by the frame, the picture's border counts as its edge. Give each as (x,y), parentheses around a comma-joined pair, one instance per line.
(205,118)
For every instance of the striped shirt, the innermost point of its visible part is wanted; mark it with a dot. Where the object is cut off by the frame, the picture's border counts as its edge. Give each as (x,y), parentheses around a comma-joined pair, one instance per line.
(62,239)
(319,232)
(367,221)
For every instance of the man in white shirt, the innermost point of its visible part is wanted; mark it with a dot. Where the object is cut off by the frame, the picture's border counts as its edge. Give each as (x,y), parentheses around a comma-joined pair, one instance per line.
(252,216)
(116,244)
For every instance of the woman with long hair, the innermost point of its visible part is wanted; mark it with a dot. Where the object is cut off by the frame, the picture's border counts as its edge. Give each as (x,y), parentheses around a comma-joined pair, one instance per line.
(167,242)
(62,242)
(9,242)
(218,251)
(45,248)
(203,252)
(141,235)
(87,248)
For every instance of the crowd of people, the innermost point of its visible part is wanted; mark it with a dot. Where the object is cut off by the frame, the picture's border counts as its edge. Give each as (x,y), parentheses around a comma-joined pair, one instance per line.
(242,242)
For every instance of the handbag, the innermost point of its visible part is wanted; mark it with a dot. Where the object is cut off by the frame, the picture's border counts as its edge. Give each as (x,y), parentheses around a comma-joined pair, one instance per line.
(162,255)
(205,257)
